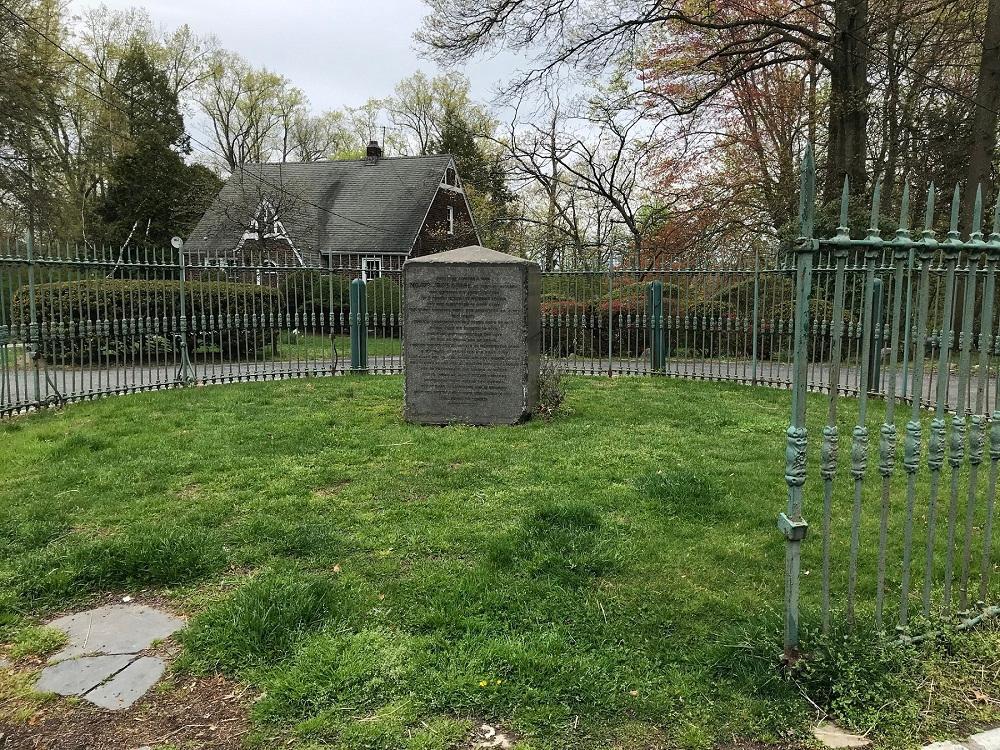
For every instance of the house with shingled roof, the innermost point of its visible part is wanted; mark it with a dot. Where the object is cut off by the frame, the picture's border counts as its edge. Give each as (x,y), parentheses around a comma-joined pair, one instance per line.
(368,215)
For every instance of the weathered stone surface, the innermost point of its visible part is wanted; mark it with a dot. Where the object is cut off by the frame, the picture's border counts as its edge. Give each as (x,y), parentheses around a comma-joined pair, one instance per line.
(472,331)
(114,629)
(77,676)
(833,736)
(989,740)
(129,685)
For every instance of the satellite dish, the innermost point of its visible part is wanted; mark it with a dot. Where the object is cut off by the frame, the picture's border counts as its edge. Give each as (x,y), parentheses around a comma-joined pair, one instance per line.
(177,242)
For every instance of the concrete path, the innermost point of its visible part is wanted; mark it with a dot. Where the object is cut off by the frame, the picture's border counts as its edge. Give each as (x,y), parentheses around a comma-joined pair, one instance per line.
(102,660)
(18,388)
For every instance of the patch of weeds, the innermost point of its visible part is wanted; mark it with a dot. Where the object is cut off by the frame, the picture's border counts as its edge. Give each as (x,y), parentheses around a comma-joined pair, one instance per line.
(36,641)
(564,541)
(867,681)
(147,555)
(682,492)
(262,620)
(551,391)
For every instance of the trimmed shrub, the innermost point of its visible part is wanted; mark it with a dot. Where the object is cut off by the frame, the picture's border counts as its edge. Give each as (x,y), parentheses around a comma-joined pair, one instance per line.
(309,297)
(126,319)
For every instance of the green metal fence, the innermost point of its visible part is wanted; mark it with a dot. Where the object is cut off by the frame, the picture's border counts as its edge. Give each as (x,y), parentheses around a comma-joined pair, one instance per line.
(899,541)
(76,323)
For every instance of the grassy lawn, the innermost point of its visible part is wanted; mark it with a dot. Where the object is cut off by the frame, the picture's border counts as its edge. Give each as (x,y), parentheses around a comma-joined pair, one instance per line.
(609,579)
(315,346)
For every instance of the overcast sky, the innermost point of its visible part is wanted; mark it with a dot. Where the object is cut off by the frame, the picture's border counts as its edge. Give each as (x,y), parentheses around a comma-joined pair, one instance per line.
(340,52)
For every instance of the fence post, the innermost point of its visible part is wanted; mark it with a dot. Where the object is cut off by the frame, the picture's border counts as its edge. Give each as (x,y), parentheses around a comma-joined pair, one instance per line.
(907,322)
(791,523)
(184,374)
(657,348)
(611,317)
(877,334)
(359,329)
(33,328)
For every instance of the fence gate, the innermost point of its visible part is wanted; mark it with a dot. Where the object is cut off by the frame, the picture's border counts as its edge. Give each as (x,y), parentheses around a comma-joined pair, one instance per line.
(909,541)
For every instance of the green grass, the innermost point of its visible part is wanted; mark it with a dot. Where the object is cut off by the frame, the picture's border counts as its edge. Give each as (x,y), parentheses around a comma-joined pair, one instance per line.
(610,578)
(36,641)
(316,346)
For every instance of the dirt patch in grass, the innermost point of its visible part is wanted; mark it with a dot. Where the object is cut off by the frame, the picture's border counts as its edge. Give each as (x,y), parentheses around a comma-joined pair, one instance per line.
(204,712)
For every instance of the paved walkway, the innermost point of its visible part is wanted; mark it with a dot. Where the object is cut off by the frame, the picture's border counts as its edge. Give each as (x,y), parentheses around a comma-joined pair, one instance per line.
(18,388)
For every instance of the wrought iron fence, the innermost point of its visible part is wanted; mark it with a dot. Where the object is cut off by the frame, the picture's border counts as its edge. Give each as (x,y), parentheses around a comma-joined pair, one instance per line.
(77,323)
(907,321)
(916,540)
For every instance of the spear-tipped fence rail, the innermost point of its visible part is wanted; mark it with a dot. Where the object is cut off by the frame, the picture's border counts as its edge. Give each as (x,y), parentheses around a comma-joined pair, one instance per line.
(906,318)
(920,311)
(79,323)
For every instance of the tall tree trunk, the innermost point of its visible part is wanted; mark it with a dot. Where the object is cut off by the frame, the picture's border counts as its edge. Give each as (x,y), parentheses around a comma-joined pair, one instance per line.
(847,147)
(551,189)
(984,119)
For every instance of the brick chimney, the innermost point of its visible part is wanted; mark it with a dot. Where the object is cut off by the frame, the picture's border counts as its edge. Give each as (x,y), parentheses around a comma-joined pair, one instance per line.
(374,152)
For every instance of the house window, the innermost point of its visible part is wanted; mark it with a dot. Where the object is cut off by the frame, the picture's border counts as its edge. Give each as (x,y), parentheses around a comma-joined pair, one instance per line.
(371,268)
(451,220)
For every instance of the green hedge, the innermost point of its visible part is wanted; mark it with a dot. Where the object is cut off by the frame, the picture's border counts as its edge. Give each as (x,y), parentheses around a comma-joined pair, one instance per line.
(308,297)
(102,319)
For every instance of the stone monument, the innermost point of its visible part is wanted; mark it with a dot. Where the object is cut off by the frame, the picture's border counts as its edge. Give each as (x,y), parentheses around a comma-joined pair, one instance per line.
(471,335)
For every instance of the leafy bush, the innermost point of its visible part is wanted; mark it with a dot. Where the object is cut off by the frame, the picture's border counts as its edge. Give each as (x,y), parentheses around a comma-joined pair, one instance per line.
(309,298)
(99,319)
(864,679)
(551,392)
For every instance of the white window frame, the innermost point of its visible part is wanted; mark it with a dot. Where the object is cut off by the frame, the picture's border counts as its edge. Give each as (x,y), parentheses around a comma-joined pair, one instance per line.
(451,220)
(376,270)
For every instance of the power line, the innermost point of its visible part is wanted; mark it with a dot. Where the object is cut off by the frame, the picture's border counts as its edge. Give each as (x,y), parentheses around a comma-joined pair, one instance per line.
(204,145)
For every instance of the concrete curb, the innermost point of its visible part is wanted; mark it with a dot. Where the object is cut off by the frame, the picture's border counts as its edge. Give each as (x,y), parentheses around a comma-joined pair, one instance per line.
(989,740)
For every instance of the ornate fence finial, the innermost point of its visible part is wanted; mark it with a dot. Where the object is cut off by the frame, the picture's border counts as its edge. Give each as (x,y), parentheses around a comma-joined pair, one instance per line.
(927,235)
(954,236)
(873,230)
(976,230)
(844,230)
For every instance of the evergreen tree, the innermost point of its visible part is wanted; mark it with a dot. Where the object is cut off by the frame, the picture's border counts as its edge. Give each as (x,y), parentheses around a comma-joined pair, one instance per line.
(152,193)
(483,178)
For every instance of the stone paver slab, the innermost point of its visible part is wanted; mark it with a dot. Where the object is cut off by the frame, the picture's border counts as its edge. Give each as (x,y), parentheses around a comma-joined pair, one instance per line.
(834,737)
(989,740)
(129,685)
(114,629)
(77,676)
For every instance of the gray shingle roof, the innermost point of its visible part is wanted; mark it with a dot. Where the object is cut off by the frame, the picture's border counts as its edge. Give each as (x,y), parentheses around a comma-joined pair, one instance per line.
(366,208)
